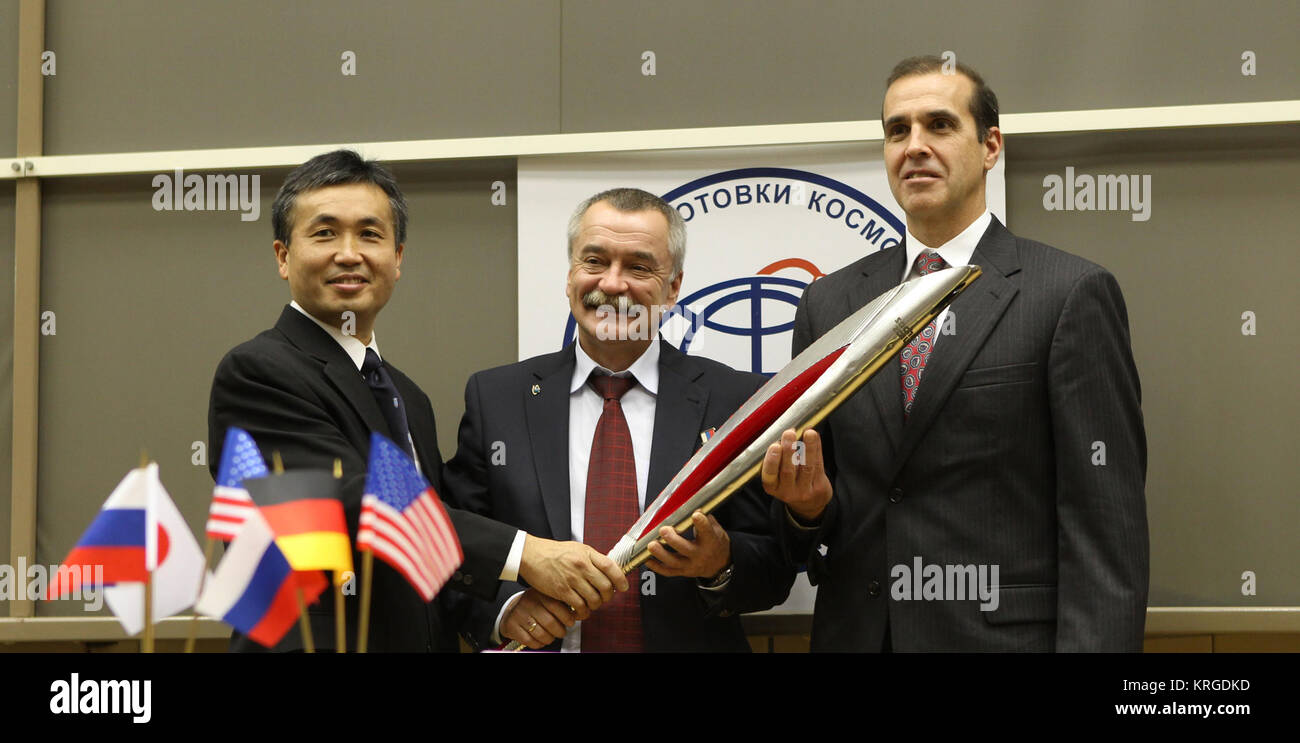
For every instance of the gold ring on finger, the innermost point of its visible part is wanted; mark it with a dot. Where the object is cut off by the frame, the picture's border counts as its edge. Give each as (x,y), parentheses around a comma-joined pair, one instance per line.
(531,626)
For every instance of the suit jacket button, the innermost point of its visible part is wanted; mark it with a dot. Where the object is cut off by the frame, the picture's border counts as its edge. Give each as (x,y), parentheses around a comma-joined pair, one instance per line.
(896,495)
(456,576)
(873,588)
(469,580)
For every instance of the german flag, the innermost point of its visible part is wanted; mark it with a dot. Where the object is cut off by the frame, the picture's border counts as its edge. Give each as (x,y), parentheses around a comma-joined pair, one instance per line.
(305,512)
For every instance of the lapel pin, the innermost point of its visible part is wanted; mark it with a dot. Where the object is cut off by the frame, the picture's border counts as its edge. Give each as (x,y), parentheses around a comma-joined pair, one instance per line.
(537,390)
(706,435)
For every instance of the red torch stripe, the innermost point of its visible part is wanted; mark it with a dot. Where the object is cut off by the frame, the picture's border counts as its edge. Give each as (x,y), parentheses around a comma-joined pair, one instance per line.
(743,435)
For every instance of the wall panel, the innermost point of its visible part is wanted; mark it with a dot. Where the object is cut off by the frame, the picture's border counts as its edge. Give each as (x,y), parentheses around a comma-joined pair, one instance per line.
(782,61)
(8,81)
(1220,407)
(159,75)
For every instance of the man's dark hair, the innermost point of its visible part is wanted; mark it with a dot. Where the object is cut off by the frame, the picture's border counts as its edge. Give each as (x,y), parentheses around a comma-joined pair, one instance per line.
(337,168)
(983,102)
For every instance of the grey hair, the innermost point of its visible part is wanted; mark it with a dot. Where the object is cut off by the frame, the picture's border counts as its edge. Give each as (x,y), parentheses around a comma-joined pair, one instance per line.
(636,200)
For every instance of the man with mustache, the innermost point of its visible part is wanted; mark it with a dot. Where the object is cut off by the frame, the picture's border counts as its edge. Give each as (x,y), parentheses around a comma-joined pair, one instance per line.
(574,444)
(313,388)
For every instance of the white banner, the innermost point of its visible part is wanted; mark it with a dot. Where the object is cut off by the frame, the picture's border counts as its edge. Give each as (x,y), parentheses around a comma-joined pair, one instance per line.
(761,223)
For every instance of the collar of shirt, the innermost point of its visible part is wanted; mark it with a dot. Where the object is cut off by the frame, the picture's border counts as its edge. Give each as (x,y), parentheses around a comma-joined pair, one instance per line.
(957,251)
(645,369)
(356,350)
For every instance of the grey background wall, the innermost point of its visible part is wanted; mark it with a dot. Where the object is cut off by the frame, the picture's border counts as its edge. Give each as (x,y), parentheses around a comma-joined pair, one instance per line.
(1219,406)
(153,75)
(148,301)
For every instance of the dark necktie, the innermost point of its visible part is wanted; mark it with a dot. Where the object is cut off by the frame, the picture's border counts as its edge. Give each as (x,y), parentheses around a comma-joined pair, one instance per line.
(611,508)
(916,353)
(389,399)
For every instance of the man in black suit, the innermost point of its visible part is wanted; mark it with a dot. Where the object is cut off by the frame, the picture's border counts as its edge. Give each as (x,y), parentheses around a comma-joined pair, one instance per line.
(309,389)
(1009,445)
(536,436)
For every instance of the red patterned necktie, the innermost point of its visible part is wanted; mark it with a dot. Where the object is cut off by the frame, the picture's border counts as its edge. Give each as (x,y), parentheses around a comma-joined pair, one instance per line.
(612,508)
(917,352)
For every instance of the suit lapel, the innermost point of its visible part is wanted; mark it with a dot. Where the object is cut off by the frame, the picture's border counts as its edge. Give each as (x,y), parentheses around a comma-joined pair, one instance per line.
(878,278)
(547,414)
(339,370)
(350,384)
(976,312)
(679,418)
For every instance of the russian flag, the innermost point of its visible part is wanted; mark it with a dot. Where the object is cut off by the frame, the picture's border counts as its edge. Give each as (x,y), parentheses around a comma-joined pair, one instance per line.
(117,538)
(254,586)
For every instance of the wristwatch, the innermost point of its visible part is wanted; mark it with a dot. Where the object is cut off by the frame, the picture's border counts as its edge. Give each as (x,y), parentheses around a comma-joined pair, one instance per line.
(720,579)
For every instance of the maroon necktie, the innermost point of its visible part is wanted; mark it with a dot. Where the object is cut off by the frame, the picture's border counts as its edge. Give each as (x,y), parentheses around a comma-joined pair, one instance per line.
(611,509)
(917,353)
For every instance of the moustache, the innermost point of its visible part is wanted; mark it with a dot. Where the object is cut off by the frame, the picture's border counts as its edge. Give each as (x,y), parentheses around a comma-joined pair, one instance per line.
(596,299)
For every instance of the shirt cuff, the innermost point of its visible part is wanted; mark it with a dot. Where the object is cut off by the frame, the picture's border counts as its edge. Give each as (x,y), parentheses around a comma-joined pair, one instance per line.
(510,571)
(496,627)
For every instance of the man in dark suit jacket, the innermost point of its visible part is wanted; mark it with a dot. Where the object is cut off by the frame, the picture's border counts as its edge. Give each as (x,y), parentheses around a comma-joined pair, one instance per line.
(1022,450)
(298,389)
(523,446)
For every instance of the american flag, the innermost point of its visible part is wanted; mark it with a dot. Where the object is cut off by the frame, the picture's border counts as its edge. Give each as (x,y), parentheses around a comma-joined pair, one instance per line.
(404,523)
(231,503)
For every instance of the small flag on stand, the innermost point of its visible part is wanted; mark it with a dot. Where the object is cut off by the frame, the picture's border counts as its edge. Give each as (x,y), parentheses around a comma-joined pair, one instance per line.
(254,586)
(231,502)
(139,531)
(404,523)
(305,513)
